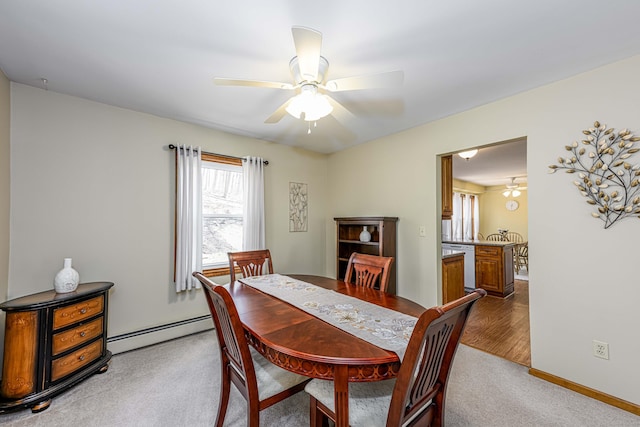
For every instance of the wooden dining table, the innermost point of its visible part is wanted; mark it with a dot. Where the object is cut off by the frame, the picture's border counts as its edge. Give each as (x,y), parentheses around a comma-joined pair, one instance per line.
(302,343)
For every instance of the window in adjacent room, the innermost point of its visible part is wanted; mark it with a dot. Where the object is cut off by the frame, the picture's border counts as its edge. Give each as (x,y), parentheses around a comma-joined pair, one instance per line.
(222,200)
(465,220)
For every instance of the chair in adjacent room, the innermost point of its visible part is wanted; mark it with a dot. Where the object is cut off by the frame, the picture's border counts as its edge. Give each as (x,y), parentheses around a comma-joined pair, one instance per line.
(368,270)
(514,237)
(523,257)
(250,263)
(418,393)
(259,381)
(495,237)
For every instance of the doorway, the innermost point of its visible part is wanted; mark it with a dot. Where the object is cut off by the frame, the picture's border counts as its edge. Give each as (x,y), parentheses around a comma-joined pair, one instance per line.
(496,176)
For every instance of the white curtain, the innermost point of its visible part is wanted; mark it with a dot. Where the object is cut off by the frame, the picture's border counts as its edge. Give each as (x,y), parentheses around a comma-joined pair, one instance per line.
(189,217)
(464,216)
(476,217)
(456,217)
(467,217)
(253,212)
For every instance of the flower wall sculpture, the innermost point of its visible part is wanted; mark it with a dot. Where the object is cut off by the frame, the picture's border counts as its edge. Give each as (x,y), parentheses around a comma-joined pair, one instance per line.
(608,178)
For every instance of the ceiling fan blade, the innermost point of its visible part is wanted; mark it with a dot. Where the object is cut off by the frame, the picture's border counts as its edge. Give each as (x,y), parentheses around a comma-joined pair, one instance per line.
(279,113)
(340,112)
(308,43)
(253,83)
(381,80)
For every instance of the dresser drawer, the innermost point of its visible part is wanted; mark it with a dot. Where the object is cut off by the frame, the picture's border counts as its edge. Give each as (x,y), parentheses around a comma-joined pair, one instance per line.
(66,340)
(70,314)
(76,360)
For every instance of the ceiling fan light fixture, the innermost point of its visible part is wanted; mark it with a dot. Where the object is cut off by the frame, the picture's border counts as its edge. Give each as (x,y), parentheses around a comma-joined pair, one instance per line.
(515,193)
(506,193)
(309,102)
(468,154)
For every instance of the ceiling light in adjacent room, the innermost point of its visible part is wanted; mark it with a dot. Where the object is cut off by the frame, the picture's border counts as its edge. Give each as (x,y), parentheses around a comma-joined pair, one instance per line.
(468,154)
(514,193)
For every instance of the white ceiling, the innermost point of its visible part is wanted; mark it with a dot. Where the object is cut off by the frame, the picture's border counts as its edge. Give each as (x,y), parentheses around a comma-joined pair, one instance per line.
(494,165)
(160,56)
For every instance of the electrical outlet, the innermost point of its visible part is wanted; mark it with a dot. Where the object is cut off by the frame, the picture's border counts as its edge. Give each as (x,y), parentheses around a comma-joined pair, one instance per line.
(601,349)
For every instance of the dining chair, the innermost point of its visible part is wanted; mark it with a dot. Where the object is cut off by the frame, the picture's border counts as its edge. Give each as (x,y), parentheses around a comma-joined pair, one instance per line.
(523,257)
(260,382)
(418,393)
(514,237)
(367,270)
(495,237)
(250,263)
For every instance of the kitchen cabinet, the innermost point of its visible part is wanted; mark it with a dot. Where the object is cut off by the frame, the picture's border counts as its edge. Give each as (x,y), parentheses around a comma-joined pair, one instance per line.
(382,243)
(447,186)
(494,269)
(452,276)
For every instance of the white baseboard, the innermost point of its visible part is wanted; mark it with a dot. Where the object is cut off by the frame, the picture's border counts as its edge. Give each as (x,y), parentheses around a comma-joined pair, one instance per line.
(139,339)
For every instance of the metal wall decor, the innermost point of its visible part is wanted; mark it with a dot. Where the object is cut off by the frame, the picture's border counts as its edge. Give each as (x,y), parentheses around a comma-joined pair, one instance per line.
(609,179)
(298,214)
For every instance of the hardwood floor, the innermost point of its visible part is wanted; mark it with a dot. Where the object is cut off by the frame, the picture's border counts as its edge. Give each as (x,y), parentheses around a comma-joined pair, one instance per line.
(500,326)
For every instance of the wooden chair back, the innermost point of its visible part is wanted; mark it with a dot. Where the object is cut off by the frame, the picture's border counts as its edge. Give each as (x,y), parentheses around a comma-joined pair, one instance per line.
(234,349)
(523,257)
(250,263)
(514,237)
(368,270)
(495,237)
(237,362)
(421,385)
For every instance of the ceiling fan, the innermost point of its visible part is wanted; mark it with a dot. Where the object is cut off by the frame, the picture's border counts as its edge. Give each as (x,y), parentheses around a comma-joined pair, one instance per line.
(309,71)
(513,189)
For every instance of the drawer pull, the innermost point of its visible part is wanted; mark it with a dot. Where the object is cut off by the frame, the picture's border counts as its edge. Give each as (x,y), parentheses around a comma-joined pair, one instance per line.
(83,311)
(81,358)
(83,333)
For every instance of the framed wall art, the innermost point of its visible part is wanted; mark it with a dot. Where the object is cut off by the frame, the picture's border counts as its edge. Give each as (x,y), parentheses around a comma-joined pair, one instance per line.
(298,207)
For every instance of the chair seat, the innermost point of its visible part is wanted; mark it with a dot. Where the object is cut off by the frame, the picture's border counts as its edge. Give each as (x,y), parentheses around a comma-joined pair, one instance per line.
(272,379)
(368,402)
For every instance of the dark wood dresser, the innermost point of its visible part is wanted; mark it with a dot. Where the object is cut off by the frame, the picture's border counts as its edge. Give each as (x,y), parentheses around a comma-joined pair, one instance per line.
(53,341)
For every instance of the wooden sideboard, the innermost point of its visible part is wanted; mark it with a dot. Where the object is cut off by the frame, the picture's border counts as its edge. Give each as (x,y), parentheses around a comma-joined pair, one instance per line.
(53,341)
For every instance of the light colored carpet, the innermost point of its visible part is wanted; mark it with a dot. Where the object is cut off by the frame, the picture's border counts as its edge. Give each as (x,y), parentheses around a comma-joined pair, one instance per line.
(176,384)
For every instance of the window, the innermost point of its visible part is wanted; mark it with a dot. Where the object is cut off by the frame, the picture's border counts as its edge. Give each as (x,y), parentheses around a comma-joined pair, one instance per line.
(222,205)
(466,217)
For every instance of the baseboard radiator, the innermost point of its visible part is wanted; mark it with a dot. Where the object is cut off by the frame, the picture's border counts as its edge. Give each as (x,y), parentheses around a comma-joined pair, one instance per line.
(144,337)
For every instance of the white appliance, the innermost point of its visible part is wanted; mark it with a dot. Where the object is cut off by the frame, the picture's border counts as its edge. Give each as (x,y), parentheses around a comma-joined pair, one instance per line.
(469,263)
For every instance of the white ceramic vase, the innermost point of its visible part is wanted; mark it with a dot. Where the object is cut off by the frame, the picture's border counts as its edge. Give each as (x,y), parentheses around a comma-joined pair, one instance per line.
(67,279)
(365,236)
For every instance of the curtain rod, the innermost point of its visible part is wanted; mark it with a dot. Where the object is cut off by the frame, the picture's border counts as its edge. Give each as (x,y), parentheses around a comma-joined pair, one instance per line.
(173,147)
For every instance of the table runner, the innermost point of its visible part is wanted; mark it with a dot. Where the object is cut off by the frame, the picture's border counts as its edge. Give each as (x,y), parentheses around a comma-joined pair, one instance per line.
(383,327)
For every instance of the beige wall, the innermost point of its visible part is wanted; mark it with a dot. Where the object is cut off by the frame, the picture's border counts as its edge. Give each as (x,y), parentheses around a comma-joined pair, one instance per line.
(583,278)
(5,163)
(494,214)
(75,193)
(96,183)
